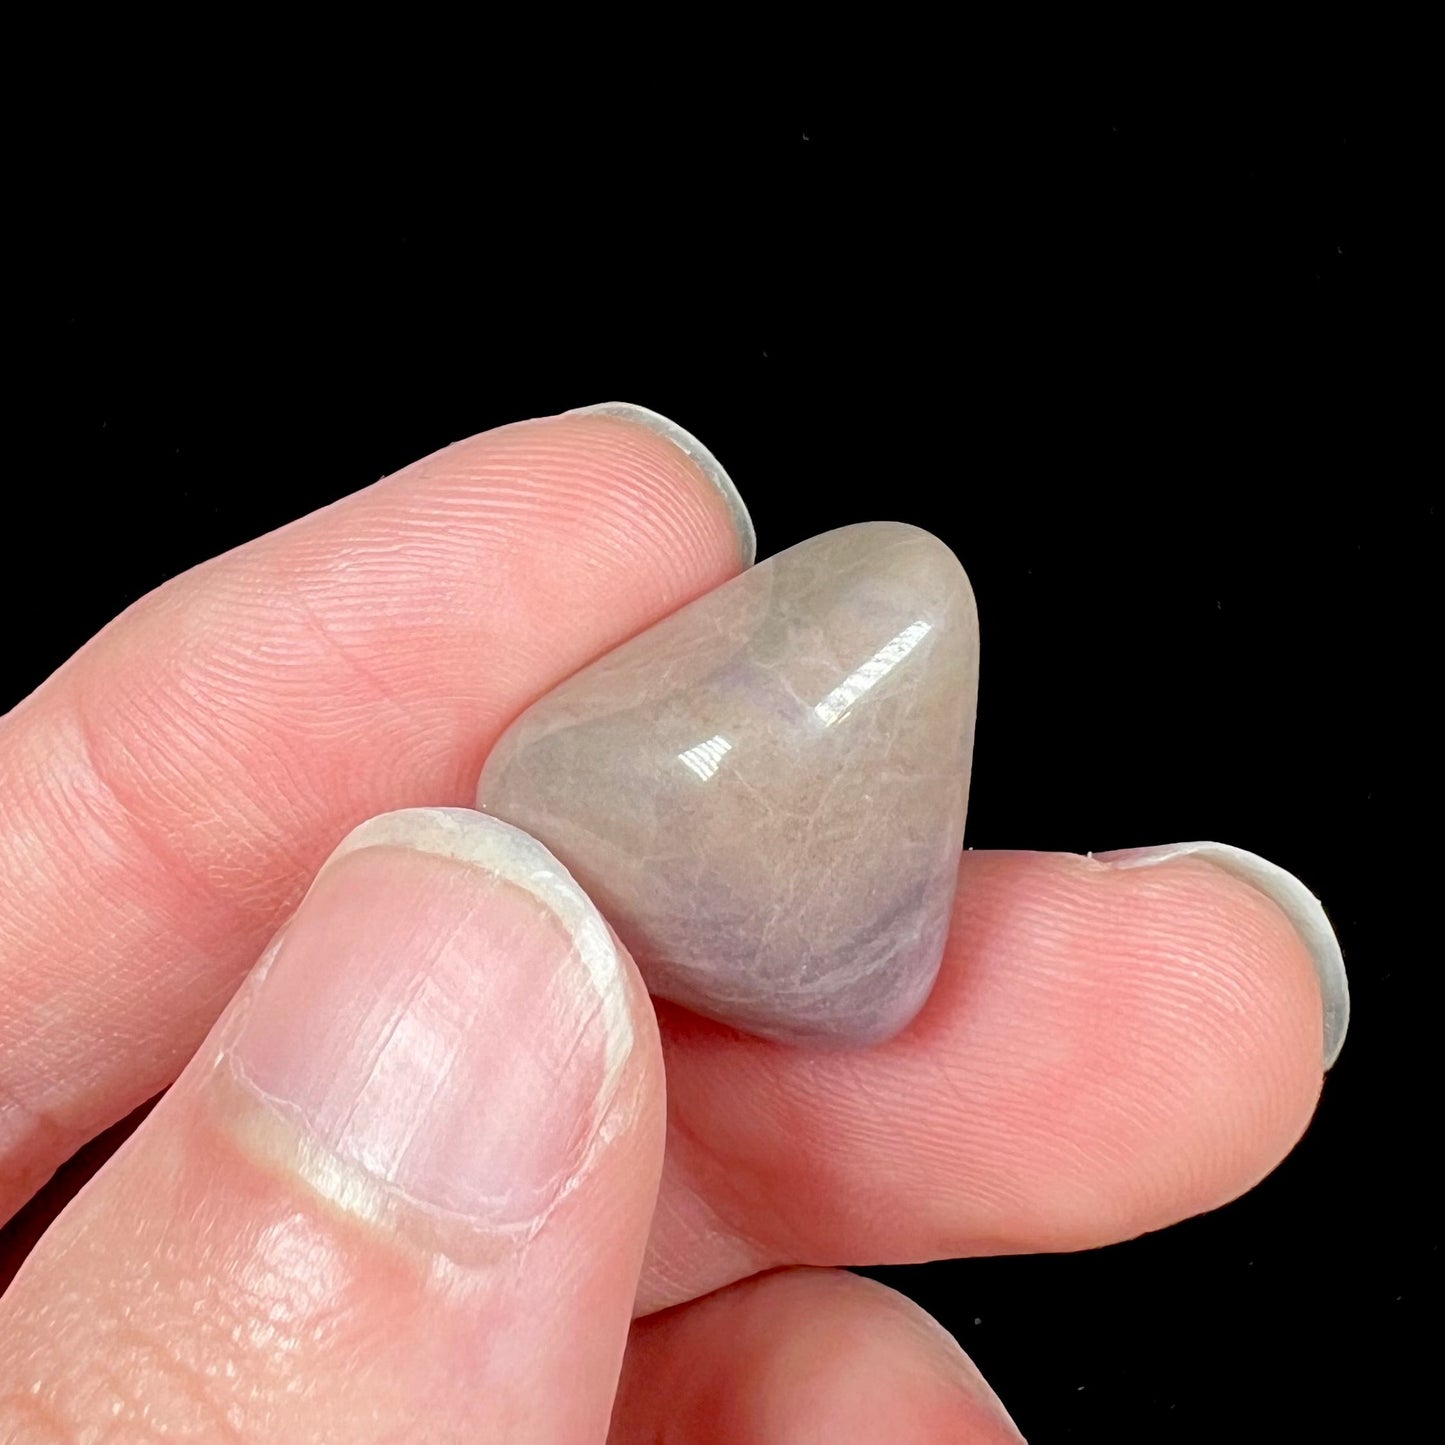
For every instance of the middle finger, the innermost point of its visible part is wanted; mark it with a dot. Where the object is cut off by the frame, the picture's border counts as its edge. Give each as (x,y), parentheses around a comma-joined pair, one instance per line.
(1108,1049)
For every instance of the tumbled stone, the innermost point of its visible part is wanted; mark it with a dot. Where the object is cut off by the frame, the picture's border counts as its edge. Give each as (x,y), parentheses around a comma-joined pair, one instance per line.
(765,792)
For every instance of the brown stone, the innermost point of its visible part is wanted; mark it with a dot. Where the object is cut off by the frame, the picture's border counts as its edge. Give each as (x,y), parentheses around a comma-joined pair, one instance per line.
(765,792)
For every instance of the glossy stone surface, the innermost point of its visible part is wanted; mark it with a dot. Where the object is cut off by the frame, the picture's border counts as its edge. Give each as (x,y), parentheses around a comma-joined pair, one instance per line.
(765,793)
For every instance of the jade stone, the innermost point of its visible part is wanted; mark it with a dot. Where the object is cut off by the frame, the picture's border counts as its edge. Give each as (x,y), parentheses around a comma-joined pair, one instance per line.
(765,792)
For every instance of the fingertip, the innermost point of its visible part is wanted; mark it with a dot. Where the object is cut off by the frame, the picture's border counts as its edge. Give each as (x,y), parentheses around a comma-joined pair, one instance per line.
(1305,912)
(922,1359)
(701,457)
(444,969)
(620,487)
(1126,1047)
(1213,1037)
(799,1354)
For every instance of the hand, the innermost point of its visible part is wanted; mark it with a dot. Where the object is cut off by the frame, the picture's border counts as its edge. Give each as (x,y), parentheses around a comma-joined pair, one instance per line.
(1108,1049)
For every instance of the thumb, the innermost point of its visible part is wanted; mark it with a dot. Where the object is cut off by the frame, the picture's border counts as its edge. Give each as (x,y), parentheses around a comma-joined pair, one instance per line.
(402,1193)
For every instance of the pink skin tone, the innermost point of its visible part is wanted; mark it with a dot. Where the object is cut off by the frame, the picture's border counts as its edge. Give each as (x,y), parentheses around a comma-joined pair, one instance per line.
(802,1355)
(209,1268)
(169,795)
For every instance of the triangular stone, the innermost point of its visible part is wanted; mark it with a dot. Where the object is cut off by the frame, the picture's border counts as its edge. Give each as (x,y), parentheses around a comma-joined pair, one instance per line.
(765,792)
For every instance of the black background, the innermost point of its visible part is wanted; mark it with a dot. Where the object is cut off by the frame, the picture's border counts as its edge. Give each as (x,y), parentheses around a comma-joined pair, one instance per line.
(1150,368)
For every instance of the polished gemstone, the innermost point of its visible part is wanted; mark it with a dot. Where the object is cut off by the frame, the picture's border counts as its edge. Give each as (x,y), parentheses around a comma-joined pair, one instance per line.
(764,793)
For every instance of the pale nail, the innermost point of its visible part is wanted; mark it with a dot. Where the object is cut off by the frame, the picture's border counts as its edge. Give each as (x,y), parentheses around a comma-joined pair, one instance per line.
(443,1021)
(1294,900)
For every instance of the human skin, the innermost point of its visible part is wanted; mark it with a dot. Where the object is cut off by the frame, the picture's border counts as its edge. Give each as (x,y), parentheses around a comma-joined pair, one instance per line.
(1107,1049)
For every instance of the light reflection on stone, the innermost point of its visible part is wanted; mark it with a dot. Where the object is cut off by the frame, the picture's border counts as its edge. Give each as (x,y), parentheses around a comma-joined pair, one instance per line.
(705,757)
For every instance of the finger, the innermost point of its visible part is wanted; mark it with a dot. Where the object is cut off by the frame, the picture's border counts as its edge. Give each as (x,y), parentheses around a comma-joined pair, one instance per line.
(402,1193)
(802,1355)
(169,791)
(20,1235)
(1109,1048)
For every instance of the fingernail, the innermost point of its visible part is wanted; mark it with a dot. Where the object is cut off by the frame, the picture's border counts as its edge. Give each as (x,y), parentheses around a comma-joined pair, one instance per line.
(1298,904)
(443,1022)
(702,458)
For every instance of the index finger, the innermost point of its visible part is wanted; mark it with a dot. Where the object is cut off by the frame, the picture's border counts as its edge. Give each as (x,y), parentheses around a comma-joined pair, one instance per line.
(167,793)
